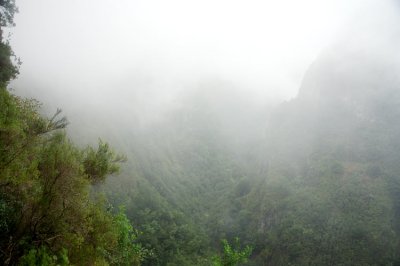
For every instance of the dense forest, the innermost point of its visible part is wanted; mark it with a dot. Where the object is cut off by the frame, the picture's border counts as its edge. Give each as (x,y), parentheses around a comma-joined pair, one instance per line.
(312,181)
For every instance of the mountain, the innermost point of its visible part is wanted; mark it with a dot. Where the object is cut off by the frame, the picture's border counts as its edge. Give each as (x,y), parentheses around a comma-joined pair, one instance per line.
(330,196)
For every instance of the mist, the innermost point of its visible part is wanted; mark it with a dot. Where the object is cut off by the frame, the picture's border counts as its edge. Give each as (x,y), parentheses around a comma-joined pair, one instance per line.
(273,122)
(140,56)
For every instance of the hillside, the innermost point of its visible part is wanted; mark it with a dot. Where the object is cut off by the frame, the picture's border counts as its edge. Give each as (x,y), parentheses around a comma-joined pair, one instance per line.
(320,187)
(206,173)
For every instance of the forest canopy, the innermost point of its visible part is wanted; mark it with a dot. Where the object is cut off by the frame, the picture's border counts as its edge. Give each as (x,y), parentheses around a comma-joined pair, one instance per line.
(218,178)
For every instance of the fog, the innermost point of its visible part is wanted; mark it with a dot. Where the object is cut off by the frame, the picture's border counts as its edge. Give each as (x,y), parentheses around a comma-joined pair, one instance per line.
(139,56)
(276,122)
(117,68)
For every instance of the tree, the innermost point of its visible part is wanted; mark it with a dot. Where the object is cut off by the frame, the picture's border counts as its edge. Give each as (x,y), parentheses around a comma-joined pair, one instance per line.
(8,70)
(48,211)
(128,252)
(7,12)
(232,255)
(101,162)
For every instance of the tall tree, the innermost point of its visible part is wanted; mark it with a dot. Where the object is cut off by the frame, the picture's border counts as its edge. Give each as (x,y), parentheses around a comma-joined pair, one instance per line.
(7,12)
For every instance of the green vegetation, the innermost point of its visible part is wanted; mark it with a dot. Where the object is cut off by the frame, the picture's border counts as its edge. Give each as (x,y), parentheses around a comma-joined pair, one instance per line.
(322,188)
(49,212)
(232,255)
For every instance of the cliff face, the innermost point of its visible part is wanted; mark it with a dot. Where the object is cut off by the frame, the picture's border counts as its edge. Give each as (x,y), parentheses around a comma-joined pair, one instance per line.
(333,165)
(348,106)
(351,74)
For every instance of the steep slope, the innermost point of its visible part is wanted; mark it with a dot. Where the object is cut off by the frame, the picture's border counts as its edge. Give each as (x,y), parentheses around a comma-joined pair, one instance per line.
(184,173)
(330,196)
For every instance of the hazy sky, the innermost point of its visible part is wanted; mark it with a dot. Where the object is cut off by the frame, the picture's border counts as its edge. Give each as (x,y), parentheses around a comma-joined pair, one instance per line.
(149,49)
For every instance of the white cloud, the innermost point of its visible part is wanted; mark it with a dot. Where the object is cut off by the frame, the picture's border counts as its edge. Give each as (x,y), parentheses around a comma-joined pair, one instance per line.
(156,47)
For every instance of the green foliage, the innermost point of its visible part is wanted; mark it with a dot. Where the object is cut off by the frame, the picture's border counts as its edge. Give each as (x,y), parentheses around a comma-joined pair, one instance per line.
(173,189)
(9,70)
(47,205)
(128,252)
(8,11)
(45,194)
(100,163)
(43,257)
(325,193)
(232,254)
